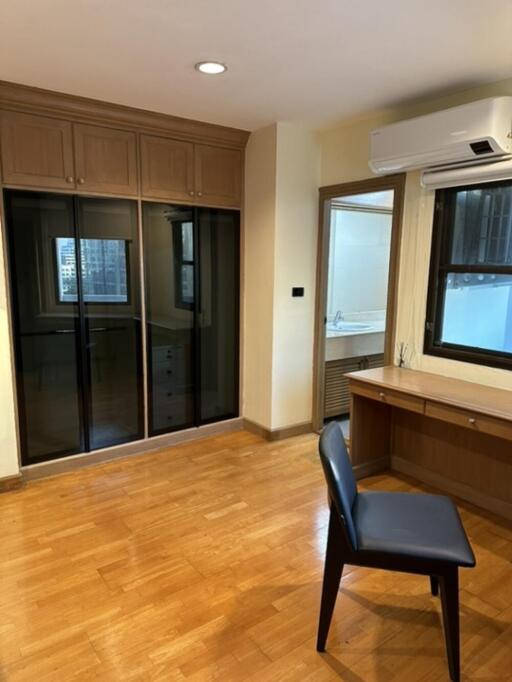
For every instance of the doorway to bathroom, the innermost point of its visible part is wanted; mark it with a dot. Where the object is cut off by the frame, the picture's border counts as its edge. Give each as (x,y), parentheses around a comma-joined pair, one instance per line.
(357,285)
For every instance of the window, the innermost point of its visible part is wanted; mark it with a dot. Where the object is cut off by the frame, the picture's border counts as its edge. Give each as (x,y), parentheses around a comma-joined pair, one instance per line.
(104,270)
(183,243)
(469,311)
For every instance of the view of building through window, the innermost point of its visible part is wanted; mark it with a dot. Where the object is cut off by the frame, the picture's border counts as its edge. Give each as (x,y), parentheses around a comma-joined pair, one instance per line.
(104,265)
(472,272)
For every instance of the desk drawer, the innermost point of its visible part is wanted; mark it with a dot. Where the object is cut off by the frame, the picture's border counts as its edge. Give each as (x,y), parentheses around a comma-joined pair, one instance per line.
(389,397)
(470,420)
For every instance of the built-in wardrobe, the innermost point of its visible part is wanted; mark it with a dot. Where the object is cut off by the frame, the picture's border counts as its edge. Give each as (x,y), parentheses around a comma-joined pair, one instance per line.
(124,272)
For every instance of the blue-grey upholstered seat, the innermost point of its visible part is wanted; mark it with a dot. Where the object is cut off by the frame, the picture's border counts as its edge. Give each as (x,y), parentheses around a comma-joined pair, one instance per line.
(411,525)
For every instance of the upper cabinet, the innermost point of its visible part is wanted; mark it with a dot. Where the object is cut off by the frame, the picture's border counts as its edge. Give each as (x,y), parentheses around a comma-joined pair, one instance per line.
(105,160)
(92,147)
(167,168)
(198,173)
(37,151)
(217,175)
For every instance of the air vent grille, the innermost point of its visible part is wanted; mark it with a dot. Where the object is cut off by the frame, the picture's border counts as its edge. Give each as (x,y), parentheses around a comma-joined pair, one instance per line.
(482,147)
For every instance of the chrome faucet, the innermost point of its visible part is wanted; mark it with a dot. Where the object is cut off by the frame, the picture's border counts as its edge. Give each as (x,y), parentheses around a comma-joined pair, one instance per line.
(338,317)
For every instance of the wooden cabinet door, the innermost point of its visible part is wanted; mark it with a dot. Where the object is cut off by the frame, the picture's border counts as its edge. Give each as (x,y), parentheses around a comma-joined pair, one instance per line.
(105,160)
(218,176)
(36,151)
(167,168)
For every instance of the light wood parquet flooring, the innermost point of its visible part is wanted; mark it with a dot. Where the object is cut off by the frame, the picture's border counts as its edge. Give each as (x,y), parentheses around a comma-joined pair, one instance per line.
(204,562)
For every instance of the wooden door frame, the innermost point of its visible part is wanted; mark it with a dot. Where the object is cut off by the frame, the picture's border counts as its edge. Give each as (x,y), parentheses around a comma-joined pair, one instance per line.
(326,194)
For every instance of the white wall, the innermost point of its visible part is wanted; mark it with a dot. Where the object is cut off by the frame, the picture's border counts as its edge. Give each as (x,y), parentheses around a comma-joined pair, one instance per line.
(8,436)
(298,170)
(281,205)
(258,301)
(358,261)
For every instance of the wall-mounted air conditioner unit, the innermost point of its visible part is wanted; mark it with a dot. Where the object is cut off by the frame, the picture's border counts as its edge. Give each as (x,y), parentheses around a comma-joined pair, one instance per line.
(471,133)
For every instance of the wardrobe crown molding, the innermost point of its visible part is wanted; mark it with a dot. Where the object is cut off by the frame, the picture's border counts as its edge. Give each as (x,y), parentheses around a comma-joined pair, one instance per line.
(26,98)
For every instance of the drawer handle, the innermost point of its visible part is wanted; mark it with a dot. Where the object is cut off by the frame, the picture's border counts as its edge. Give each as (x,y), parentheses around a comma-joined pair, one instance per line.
(472,420)
(382,395)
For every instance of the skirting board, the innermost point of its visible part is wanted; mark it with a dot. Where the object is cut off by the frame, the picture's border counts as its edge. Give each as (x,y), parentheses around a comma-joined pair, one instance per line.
(140,447)
(277,434)
(461,490)
(10,483)
(371,468)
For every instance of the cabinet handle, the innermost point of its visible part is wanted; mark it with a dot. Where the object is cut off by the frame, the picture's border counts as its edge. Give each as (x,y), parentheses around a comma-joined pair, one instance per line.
(81,181)
(69,178)
(382,395)
(191,193)
(199,194)
(472,420)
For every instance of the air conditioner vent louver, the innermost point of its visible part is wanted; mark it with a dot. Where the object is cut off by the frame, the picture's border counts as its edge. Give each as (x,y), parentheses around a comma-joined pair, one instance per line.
(482,147)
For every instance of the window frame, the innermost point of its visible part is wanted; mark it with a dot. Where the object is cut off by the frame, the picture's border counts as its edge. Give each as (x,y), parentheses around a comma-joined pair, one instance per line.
(440,265)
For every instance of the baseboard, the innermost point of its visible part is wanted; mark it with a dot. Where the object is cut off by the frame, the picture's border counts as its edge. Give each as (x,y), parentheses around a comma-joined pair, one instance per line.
(376,466)
(11,483)
(277,434)
(140,447)
(454,488)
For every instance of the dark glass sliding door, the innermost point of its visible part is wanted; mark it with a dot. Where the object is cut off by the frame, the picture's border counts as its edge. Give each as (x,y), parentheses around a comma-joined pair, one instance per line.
(170,272)
(77,327)
(192,284)
(218,321)
(47,326)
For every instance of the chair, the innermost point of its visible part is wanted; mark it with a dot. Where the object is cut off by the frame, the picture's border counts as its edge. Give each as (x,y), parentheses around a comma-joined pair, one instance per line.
(410,533)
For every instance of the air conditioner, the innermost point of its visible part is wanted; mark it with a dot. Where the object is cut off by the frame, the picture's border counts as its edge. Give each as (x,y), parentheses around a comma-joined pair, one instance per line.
(471,133)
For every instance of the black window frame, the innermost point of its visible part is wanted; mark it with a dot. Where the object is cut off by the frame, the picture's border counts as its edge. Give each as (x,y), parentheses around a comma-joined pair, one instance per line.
(441,264)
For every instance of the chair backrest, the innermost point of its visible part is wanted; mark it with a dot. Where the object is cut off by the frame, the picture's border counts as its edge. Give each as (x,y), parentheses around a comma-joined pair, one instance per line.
(339,475)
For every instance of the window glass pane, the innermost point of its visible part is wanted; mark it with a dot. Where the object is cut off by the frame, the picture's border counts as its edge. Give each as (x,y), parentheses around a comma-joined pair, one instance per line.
(483,226)
(187,241)
(187,283)
(478,311)
(103,270)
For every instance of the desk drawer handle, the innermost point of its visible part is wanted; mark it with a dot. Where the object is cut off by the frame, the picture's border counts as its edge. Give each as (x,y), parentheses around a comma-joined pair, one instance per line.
(382,395)
(472,420)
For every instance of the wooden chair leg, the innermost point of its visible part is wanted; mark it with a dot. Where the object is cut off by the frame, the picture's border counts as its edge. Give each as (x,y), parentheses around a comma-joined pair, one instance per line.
(450,601)
(333,568)
(434,585)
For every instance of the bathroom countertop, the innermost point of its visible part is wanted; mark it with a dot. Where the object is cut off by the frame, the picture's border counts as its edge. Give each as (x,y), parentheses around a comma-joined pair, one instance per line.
(377,326)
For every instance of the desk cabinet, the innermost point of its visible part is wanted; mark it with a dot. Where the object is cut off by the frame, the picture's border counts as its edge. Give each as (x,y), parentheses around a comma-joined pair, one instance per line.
(439,430)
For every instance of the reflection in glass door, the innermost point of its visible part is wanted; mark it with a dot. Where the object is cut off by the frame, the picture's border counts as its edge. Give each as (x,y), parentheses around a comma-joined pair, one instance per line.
(170,276)
(192,284)
(218,313)
(46,324)
(110,306)
(77,329)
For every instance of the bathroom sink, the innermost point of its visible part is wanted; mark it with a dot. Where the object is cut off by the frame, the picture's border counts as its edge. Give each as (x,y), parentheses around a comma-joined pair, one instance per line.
(348,327)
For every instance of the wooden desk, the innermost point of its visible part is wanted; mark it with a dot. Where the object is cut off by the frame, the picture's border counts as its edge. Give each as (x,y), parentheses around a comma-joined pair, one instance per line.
(452,434)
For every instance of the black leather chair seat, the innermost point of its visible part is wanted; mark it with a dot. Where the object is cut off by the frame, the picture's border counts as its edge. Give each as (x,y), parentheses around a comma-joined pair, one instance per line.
(418,526)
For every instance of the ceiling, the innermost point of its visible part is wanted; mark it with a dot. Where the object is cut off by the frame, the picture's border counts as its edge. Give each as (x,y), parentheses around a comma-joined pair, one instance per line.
(312,61)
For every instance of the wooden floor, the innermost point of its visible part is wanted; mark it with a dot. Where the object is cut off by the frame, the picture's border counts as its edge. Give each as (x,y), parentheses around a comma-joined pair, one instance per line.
(204,562)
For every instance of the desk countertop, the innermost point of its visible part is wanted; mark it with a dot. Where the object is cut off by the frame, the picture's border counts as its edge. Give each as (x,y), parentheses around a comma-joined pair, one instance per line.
(496,402)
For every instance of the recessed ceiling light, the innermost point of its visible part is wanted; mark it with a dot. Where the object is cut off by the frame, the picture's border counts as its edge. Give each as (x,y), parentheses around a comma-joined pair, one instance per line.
(211,68)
